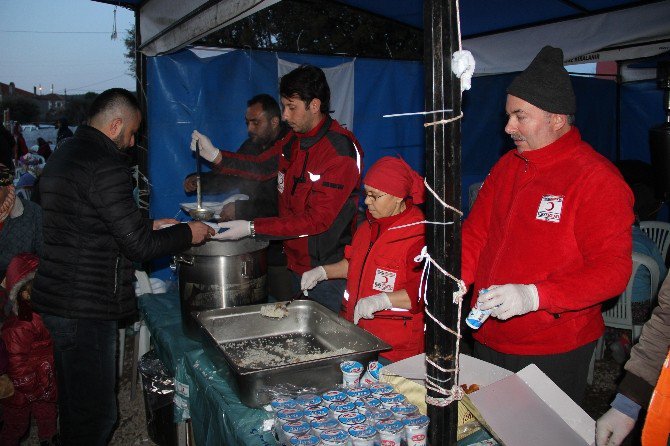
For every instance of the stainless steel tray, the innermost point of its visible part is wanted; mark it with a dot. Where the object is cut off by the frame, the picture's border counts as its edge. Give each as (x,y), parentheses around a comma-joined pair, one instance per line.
(302,350)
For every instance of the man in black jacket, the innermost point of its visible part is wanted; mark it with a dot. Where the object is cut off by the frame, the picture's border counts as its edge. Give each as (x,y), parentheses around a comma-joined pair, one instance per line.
(93,232)
(264,127)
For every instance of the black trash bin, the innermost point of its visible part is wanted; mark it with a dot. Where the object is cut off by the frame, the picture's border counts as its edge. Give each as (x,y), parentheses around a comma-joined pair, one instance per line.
(158,390)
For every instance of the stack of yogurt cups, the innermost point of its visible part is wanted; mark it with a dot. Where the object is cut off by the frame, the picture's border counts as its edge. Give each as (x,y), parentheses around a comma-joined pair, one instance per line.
(363,412)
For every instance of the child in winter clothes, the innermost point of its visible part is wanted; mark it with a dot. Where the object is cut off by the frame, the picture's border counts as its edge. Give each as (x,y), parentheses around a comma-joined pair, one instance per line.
(31,361)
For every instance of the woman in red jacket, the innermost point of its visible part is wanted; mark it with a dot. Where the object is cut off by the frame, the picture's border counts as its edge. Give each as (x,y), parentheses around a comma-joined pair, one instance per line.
(382,276)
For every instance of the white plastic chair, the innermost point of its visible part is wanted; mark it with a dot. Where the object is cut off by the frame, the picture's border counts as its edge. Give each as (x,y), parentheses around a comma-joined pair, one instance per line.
(142,334)
(659,232)
(621,314)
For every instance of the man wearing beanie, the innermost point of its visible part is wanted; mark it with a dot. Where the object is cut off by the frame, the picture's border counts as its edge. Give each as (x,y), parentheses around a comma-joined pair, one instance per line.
(548,237)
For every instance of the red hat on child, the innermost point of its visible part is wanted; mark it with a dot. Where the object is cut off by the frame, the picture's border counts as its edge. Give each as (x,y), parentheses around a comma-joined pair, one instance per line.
(394,176)
(19,271)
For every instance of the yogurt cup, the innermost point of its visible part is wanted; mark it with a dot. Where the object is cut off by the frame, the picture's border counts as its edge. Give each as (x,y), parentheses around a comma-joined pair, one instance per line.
(315,413)
(308,400)
(342,407)
(390,432)
(381,415)
(286,415)
(283,402)
(372,403)
(416,430)
(392,399)
(356,393)
(305,440)
(349,419)
(333,396)
(334,437)
(477,317)
(291,429)
(378,389)
(363,435)
(371,375)
(402,411)
(351,373)
(324,424)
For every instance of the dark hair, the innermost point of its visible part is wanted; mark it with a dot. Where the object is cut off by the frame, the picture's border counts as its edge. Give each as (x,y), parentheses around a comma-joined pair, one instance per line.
(307,82)
(110,99)
(268,104)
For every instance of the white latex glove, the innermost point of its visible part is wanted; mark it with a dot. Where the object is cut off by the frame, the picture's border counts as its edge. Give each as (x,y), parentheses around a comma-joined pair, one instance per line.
(368,306)
(463,66)
(613,428)
(233,230)
(509,300)
(207,149)
(310,278)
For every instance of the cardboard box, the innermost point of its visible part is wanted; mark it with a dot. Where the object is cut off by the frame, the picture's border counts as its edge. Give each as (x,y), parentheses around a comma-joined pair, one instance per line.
(525,408)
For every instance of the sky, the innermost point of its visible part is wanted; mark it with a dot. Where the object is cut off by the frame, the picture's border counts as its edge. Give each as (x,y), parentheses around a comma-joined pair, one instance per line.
(66,43)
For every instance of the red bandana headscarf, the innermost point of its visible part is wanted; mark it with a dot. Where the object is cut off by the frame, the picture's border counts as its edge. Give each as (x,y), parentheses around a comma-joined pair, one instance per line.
(394,176)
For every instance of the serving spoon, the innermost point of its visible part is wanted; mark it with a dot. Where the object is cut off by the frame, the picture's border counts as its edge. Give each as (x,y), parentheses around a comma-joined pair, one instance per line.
(199,213)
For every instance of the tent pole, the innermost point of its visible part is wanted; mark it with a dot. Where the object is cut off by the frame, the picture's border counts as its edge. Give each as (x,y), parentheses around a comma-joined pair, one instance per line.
(443,167)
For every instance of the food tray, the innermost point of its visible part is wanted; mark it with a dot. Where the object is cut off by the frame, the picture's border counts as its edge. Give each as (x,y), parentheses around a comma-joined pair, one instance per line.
(301,350)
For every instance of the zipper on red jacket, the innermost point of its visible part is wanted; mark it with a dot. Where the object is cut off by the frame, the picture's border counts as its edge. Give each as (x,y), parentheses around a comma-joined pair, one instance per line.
(365,259)
(494,267)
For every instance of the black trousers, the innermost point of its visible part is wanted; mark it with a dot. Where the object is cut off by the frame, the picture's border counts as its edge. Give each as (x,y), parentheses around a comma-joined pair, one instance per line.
(568,370)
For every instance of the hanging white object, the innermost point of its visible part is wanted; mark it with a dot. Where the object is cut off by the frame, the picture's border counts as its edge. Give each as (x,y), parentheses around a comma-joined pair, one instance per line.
(463,66)
(114,35)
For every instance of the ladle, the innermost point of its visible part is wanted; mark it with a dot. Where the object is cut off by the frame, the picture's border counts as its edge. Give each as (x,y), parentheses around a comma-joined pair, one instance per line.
(199,213)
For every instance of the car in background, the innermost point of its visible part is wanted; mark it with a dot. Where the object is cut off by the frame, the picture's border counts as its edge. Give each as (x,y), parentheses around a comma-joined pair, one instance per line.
(29,128)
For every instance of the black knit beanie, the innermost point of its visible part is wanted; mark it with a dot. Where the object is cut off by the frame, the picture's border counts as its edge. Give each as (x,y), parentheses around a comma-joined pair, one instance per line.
(546,83)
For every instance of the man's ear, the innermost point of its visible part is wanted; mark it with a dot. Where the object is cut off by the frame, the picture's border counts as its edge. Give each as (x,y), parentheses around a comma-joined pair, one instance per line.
(115,127)
(559,121)
(315,105)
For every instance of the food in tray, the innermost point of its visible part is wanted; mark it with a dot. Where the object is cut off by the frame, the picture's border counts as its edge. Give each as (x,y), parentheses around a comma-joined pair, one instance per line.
(275,311)
(281,350)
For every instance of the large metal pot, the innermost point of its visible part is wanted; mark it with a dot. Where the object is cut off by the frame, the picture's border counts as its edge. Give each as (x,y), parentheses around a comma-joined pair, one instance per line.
(221,274)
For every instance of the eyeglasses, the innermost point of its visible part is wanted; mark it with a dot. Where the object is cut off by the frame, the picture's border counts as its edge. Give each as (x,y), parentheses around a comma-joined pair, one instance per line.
(374,197)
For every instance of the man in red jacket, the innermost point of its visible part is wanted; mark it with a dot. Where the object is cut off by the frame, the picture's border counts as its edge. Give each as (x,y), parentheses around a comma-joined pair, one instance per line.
(317,180)
(548,236)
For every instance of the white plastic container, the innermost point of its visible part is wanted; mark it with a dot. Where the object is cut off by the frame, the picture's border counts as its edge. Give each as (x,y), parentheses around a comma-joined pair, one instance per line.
(416,430)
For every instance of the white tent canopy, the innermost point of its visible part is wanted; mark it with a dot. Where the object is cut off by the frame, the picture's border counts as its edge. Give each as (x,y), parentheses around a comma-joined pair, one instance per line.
(634,32)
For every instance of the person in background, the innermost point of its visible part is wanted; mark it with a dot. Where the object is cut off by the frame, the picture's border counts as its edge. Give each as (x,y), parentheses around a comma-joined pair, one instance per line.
(382,294)
(7,144)
(63,131)
(318,173)
(264,127)
(648,367)
(21,147)
(544,238)
(20,223)
(44,148)
(31,362)
(93,234)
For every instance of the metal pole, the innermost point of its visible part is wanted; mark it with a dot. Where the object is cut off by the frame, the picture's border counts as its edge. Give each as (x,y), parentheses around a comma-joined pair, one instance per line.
(443,173)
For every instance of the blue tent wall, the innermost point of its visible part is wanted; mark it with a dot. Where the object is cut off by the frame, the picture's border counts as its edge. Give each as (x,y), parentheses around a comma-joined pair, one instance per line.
(186,92)
(641,109)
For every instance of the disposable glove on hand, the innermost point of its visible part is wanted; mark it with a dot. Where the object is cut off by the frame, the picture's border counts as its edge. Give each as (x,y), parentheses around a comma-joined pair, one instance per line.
(233,230)
(207,149)
(613,428)
(509,300)
(312,277)
(368,306)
